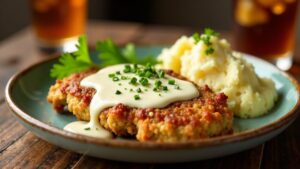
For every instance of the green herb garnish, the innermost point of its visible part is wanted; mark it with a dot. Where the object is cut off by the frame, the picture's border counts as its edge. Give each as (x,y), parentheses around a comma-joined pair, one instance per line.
(133,81)
(161,74)
(109,54)
(118,92)
(137,97)
(210,50)
(205,38)
(157,83)
(88,128)
(139,90)
(115,79)
(171,82)
(196,37)
(143,81)
(111,75)
(73,62)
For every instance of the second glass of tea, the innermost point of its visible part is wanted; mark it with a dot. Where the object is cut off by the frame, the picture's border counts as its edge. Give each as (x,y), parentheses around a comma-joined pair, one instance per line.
(58,23)
(267,29)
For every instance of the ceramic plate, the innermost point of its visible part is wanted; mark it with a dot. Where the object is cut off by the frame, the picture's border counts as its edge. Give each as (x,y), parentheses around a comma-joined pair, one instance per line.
(26,96)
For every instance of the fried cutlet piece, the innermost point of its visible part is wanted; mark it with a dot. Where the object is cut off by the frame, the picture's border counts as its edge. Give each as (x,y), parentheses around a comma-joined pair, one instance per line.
(202,117)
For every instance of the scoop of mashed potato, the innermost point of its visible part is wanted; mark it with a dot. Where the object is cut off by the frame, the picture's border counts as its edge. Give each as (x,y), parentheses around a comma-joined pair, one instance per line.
(224,71)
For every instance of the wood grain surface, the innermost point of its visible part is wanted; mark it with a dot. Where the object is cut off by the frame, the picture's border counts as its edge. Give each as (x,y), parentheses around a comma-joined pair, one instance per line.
(19,148)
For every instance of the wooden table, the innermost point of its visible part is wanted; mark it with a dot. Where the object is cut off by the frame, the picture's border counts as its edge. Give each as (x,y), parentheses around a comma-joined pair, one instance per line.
(21,149)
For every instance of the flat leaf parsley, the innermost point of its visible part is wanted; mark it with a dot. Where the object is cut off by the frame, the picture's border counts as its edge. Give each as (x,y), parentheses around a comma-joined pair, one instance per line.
(73,62)
(109,54)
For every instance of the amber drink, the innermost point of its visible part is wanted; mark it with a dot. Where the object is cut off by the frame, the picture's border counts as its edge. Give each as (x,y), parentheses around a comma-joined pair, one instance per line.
(266,28)
(58,23)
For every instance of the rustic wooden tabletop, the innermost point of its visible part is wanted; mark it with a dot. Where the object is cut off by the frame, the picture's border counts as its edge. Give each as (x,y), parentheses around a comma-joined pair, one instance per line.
(19,148)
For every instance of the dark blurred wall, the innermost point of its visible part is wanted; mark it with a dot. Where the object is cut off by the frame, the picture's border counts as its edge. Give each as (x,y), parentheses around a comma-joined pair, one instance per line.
(193,13)
(14,14)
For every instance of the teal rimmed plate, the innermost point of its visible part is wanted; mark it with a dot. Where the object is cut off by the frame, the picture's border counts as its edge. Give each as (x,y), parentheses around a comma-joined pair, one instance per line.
(26,97)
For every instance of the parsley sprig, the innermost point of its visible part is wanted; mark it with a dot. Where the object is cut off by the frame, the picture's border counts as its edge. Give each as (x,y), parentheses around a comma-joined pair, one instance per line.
(109,54)
(73,62)
(205,38)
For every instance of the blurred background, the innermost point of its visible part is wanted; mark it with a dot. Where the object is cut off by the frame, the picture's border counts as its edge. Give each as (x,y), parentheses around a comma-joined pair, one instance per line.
(15,15)
(264,28)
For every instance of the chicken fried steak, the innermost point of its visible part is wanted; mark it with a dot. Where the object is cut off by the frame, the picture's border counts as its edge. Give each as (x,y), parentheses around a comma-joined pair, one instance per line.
(204,116)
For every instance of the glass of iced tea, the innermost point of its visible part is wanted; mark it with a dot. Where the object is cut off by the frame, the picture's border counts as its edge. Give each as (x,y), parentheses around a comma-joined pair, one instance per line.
(58,23)
(266,28)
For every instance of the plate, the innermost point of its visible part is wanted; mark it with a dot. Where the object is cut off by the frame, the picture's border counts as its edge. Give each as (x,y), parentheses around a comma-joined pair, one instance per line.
(26,96)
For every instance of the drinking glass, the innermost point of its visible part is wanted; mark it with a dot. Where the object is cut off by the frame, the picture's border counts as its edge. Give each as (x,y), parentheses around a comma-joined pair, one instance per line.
(266,28)
(58,23)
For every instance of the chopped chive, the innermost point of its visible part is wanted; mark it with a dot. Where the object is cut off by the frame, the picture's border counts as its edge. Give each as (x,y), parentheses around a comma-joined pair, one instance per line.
(137,97)
(127,69)
(118,92)
(138,90)
(177,87)
(141,73)
(143,81)
(111,75)
(88,128)
(171,82)
(120,84)
(159,94)
(161,74)
(156,89)
(196,37)
(157,83)
(118,72)
(165,88)
(115,79)
(133,81)
(209,50)
(123,77)
(131,90)
(148,74)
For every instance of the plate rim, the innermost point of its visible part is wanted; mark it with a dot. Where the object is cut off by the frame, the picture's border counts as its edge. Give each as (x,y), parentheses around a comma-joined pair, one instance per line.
(208,142)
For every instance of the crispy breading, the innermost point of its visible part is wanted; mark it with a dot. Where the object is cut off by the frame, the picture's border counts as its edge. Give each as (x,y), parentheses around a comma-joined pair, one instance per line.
(202,117)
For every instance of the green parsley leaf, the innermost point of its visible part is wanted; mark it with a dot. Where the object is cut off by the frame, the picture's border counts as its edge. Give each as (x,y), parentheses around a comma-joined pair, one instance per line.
(67,65)
(82,52)
(73,62)
(110,54)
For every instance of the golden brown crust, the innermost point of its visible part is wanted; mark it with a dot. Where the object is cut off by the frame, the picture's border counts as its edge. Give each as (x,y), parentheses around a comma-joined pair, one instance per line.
(202,117)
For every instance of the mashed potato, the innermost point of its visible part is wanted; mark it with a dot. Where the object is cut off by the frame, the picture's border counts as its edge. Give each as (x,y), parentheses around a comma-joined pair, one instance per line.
(224,71)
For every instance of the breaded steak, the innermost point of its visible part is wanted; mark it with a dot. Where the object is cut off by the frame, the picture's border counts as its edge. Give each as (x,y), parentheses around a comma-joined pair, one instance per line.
(204,116)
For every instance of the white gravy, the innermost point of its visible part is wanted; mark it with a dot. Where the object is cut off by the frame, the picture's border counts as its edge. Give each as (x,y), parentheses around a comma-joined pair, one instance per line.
(106,97)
